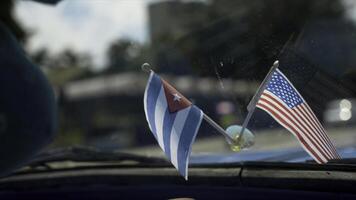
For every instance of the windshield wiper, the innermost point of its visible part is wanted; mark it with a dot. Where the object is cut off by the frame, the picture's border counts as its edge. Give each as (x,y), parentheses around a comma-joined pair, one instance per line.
(88,154)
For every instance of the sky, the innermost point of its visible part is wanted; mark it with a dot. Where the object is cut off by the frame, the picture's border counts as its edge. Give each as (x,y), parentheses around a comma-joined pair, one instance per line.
(90,25)
(82,25)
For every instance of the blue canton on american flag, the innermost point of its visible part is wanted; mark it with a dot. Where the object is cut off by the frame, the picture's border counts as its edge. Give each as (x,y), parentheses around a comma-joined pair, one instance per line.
(173,120)
(284,103)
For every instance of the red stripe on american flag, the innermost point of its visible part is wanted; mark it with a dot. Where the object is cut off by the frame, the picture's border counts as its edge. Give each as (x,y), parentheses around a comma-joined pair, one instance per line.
(307,114)
(317,132)
(311,115)
(321,128)
(291,129)
(322,147)
(312,125)
(294,123)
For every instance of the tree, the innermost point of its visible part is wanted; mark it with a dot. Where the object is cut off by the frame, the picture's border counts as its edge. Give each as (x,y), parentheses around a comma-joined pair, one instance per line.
(244,37)
(125,55)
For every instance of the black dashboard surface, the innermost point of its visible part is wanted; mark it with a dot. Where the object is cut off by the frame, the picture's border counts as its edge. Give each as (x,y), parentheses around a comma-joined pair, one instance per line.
(240,181)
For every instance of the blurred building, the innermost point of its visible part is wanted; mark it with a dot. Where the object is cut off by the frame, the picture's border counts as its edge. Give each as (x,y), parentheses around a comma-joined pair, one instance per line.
(174,19)
(214,52)
(109,109)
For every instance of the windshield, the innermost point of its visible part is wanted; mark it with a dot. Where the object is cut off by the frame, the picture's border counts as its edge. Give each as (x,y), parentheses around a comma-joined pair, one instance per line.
(214,52)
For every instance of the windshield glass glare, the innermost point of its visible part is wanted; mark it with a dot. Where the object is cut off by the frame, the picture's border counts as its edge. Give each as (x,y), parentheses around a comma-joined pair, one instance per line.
(214,52)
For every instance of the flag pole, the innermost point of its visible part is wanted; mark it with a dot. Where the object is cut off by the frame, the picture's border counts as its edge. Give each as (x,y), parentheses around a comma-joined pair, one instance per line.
(147,68)
(218,128)
(252,105)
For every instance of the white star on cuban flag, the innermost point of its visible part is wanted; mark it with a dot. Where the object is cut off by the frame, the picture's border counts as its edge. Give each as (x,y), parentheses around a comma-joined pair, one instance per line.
(176,97)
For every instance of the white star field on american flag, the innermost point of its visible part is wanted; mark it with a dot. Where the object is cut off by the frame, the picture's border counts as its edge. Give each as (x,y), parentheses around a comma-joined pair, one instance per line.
(280,87)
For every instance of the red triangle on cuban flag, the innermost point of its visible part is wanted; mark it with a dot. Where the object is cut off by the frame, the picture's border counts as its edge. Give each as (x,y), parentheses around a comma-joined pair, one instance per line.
(175,100)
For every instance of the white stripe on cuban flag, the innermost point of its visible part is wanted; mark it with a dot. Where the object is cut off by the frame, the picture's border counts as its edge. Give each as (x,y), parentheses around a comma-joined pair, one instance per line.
(283,102)
(173,120)
(161,107)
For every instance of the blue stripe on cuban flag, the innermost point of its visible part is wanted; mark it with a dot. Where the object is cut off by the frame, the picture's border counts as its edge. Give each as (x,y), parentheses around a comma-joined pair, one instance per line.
(174,131)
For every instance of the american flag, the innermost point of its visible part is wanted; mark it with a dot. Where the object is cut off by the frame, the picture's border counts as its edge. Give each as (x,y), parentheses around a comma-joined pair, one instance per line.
(284,103)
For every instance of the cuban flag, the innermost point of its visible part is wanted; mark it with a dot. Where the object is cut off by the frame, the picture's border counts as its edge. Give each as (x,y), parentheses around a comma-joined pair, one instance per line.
(173,120)
(284,103)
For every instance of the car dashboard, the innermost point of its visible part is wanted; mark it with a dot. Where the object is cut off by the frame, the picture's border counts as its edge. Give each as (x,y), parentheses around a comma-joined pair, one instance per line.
(249,180)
